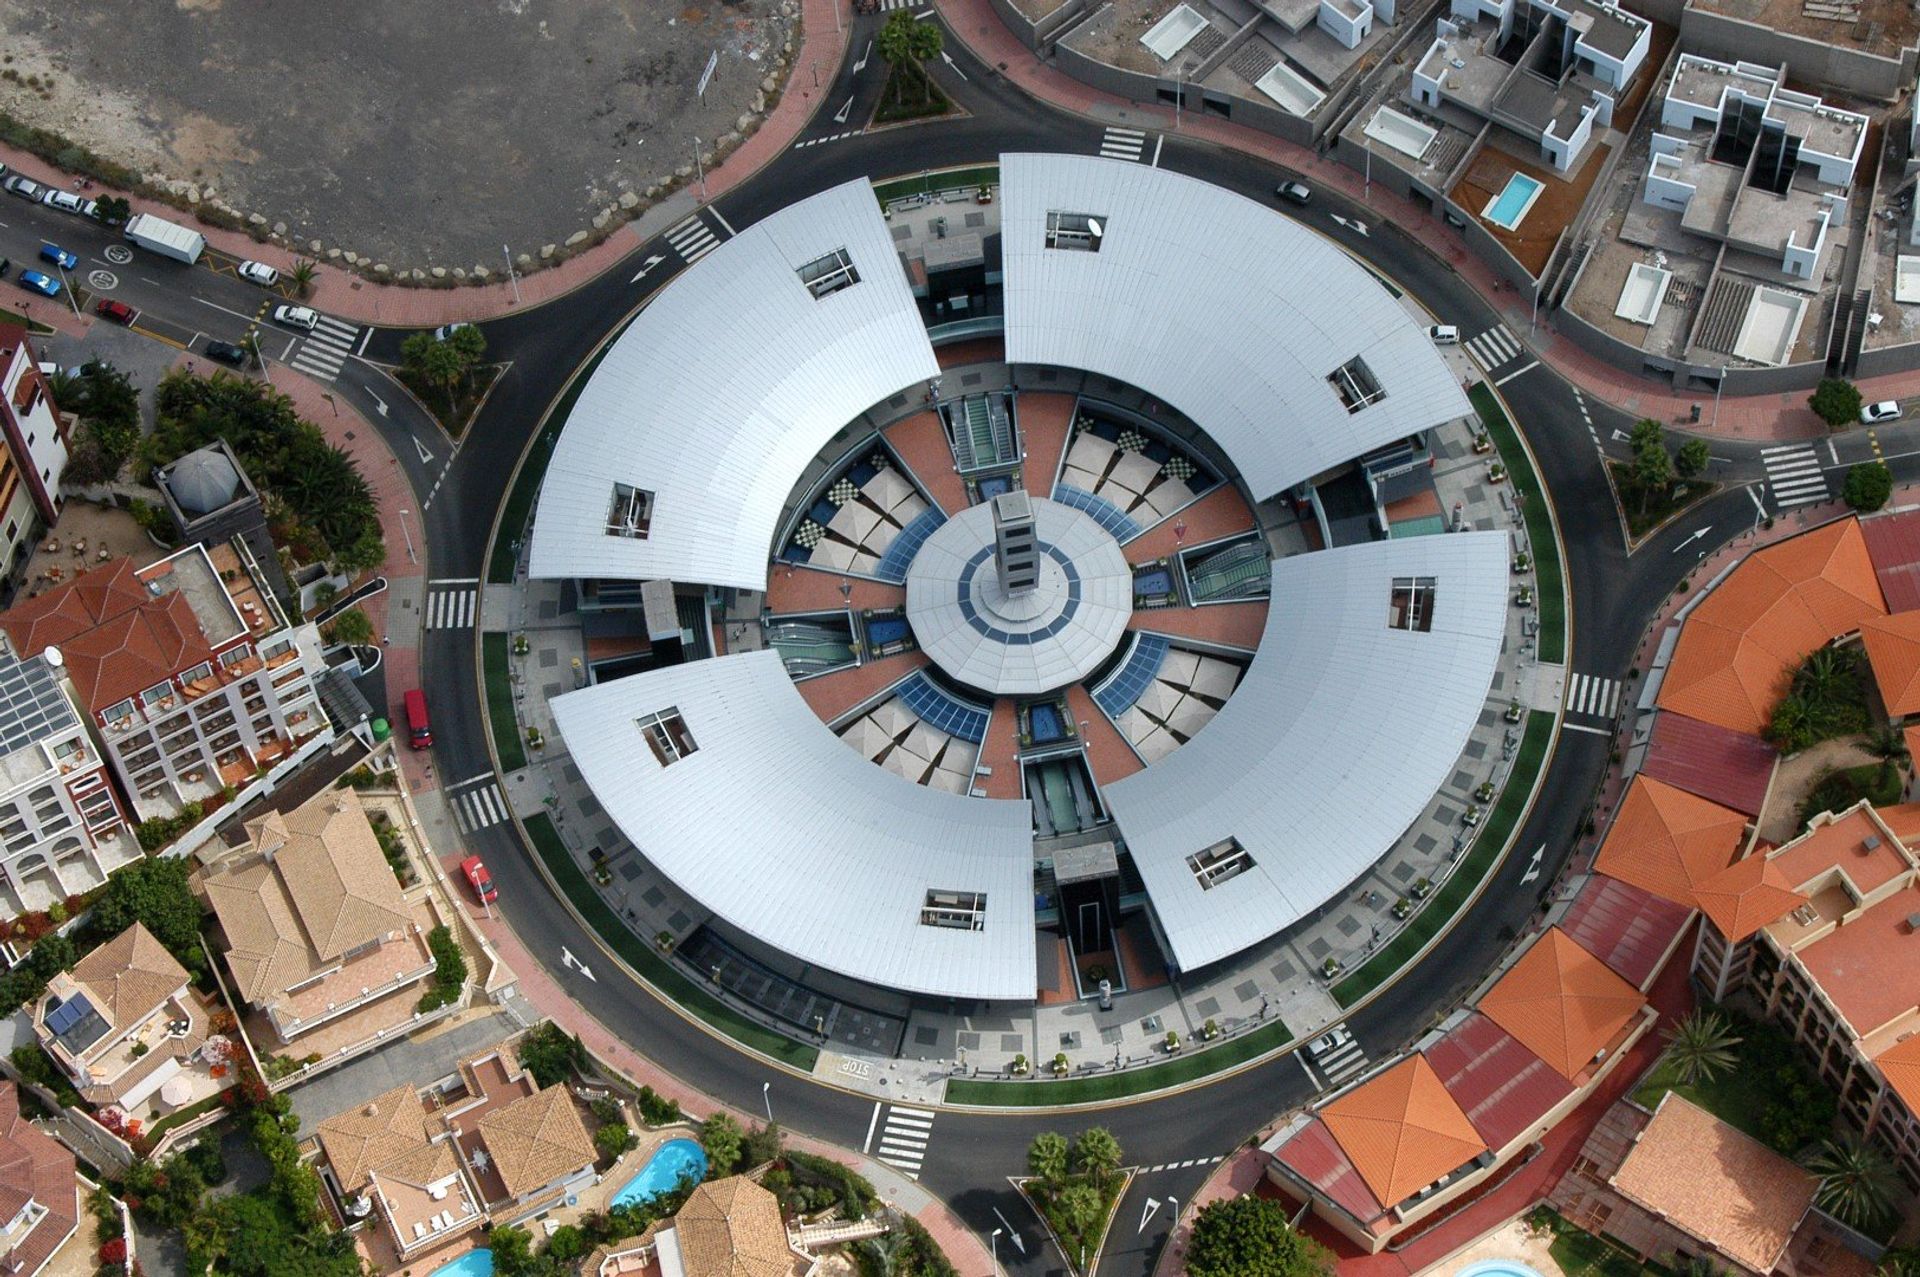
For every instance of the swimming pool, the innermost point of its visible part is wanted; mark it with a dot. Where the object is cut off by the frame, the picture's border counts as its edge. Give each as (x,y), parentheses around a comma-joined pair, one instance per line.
(475,1263)
(1045,722)
(1507,208)
(1498,1268)
(660,1175)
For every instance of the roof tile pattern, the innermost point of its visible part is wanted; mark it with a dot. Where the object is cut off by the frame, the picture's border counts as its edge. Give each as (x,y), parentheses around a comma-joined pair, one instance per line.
(537,1140)
(732,1228)
(34,1168)
(381,1131)
(1900,1065)
(1667,841)
(1402,1130)
(129,976)
(1731,768)
(1503,1087)
(1740,647)
(1893,650)
(1562,1003)
(1747,896)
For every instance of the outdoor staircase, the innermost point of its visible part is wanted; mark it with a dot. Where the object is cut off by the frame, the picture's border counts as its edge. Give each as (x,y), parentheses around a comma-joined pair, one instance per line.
(983,434)
(1238,572)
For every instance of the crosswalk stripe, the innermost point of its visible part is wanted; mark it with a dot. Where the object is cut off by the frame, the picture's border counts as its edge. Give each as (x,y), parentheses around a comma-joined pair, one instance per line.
(1592,695)
(1794,473)
(903,1139)
(1123,144)
(929,1114)
(692,239)
(451,609)
(480,808)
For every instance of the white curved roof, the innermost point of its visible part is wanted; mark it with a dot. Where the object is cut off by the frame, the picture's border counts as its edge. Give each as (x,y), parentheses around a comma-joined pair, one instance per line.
(1337,738)
(778,827)
(1220,306)
(721,392)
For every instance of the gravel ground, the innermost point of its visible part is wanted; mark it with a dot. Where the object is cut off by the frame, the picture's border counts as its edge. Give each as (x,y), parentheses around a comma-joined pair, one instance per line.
(418,132)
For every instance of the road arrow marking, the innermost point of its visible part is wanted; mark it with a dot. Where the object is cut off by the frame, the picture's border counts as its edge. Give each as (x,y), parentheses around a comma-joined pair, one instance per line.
(1690,540)
(840,116)
(651,263)
(858,67)
(568,960)
(1012,1232)
(1153,1205)
(1533,866)
(948,59)
(379,403)
(421,448)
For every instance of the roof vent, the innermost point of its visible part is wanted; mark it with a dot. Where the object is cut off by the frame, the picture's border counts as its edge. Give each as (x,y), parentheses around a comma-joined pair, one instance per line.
(1913,922)
(1871,843)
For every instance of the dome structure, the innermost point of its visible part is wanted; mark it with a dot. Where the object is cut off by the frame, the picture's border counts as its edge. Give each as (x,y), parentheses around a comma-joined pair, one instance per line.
(203,481)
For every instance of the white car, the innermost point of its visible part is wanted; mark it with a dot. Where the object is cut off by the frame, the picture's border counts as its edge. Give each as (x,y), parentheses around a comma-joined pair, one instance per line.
(259,273)
(1874,413)
(446,331)
(65,201)
(297,317)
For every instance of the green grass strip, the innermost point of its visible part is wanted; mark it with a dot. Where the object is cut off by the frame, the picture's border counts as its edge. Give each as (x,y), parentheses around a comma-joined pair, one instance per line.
(533,470)
(645,959)
(506,728)
(1458,889)
(1546,549)
(1187,1067)
(927,183)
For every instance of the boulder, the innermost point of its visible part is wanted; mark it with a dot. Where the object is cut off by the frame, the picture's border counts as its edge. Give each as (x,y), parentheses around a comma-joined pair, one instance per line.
(353,258)
(333,254)
(578,238)
(279,228)
(547,251)
(382,269)
(684,171)
(769,84)
(744,123)
(523,260)
(629,200)
(601,219)
(482,274)
(314,246)
(439,272)
(460,274)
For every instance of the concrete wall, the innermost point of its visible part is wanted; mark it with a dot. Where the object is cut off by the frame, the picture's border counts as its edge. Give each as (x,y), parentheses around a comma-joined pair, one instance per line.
(1680,373)
(1850,71)
(1880,361)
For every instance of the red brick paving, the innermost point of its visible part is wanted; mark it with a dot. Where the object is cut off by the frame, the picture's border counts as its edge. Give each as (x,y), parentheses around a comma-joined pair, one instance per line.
(832,695)
(1001,751)
(920,441)
(803,589)
(1218,514)
(1044,421)
(1234,624)
(1108,753)
(977,350)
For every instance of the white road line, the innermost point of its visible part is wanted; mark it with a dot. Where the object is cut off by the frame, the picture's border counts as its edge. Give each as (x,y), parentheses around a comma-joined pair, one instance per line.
(871,1123)
(462,784)
(1582,727)
(1510,376)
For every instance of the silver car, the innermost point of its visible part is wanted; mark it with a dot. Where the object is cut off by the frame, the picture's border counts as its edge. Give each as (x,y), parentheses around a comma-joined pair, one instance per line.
(25,187)
(259,273)
(297,317)
(65,201)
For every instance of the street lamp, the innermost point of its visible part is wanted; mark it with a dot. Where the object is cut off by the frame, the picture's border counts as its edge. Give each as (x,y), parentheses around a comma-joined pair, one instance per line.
(766,1097)
(411,557)
(700,167)
(512,274)
(993,1248)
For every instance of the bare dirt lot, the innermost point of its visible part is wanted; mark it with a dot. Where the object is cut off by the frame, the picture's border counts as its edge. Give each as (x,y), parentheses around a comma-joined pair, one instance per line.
(419,132)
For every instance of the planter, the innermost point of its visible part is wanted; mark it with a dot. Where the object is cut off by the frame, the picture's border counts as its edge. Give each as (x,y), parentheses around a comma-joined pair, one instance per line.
(1482,444)
(1209,1031)
(1060,1065)
(1470,817)
(664,942)
(520,645)
(1484,793)
(1020,1067)
(1402,908)
(1522,563)
(1173,1042)
(1421,888)
(1496,473)
(1330,968)
(1523,597)
(1514,713)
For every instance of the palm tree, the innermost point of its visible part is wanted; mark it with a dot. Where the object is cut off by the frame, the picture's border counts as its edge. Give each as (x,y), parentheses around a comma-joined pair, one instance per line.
(903,42)
(1857,1181)
(1890,747)
(889,1249)
(304,272)
(1791,727)
(1701,1047)
(1096,1154)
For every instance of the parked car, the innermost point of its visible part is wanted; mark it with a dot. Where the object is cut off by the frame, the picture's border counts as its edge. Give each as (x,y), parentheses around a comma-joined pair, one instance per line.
(446,331)
(65,201)
(45,285)
(259,273)
(1874,413)
(419,726)
(227,353)
(118,311)
(25,187)
(481,881)
(1444,335)
(1294,192)
(304,317)
(59,256)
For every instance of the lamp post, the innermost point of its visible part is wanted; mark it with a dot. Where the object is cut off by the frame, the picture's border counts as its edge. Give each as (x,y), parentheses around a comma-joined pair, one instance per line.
(411,557)
(512,274)
(993,1248)
(699,168)
(766,1097)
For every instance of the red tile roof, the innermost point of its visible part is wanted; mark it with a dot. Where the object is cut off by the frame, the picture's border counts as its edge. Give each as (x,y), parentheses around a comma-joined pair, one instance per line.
(1563,1003)
(1900,1063)
(1402,1131)
(1869,966)
(117,638)
(54,617)
(34,1168)
(1666,840)
(1747,896)
(1893,543)
(1627,927)
(1727,767)
(1893,650)
(1502,1086)
(1842,842)
(1317,1158)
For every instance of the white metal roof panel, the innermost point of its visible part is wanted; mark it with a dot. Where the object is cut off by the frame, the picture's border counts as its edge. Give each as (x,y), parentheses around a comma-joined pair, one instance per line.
(720,393)
(1222,307)
(1338,736)
(779,827)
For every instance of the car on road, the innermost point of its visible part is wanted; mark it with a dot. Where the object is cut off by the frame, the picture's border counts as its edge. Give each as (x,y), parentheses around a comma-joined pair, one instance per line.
(45,285)
(304,317)
(446,331)
(1874,413)
(1294,192)
(25,187)
(1327,1043)
(479,879)
(227,353)
(118,311)
(259,273)
(59,256)
(1444,335)
(65,201)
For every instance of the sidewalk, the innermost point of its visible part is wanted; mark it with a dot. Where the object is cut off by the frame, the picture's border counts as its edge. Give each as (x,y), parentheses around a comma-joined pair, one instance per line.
(1773,416)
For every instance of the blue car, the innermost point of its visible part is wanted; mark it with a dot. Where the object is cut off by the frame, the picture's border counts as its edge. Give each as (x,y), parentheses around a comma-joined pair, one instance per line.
(45,285)
(58,256)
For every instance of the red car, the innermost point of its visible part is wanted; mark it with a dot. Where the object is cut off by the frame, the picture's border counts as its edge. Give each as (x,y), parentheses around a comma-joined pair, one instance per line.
(480,879)
(119,312)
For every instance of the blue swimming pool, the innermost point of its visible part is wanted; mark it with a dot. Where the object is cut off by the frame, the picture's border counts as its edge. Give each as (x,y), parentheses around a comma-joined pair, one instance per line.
(1044,720)
(1498,1268)
(660,1175)
(475,1263)
(1507,208)
(881,633)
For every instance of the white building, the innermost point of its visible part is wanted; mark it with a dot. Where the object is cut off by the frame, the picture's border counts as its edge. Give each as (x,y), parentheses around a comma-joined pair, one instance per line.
(36,450)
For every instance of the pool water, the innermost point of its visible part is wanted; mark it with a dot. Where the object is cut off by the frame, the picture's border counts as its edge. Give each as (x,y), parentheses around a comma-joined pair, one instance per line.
(881,633)
(1045,723)
(660,1175)
(475,1263)
(1512,203)
(1498,1268)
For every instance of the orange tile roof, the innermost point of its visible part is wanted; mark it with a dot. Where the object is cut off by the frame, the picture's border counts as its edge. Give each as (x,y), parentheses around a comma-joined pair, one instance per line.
(1904,818)
(1739,648)
(1900,1064)
(1841,843)
(1667,841)
(1893,650)
(52,618)
(1402,1130)
(1747,896)
(1869,966)
(1562,1003)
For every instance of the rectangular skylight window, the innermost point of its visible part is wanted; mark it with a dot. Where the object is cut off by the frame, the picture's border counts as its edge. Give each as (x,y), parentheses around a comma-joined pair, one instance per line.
(829,274)
(1412,605)
(1076,232)
(958,910)
(667,736)
(1223,860)
(630,513)
(1356,385)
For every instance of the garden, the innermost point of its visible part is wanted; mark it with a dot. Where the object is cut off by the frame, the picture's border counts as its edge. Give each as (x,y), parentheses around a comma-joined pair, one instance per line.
(1075,1185)
(1658,483)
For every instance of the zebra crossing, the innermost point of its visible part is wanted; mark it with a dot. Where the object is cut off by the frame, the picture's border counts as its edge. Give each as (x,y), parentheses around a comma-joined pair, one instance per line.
(451,604)
(1335,1058)
(887,6)
(1123,144)
(1494,347)
(693,239)
(903,1138)
(479,808)
(1794,472)
(322,351)
(1592,696)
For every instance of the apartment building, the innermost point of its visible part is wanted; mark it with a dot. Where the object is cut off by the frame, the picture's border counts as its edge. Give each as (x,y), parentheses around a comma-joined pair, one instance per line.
(39,1193)
(191,676)
(35,456)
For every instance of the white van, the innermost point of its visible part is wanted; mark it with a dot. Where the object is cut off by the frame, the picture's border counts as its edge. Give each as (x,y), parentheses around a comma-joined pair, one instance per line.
(1444,335)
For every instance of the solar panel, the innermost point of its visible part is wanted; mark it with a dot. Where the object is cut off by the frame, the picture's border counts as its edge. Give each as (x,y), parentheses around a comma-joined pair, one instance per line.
(31,705)
(1130,682)
(893,564)
(1104,512)
(937,709)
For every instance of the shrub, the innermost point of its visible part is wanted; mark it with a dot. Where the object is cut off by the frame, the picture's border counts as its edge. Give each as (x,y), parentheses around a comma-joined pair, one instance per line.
(449,970)
(1836,402)
(1869,486)
(656,1109)
(612,1139)
(550,1053)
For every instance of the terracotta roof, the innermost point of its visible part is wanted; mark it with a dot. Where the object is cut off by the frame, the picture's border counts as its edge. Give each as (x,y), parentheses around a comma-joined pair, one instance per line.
(52,618)
(34,1168)
(129,976)
(1904,818)
(732,1228)
(1893,650)
(1667,841)
(1402,1130)
(536,1140)
(1841,842)
(1747,896)
(1716,1183)
(1314,1156)
(1893,543)
(1627,927)
(1731,768)
(1501,1086)
(1563,1003)
(383,1130)
(1739,648)
(1869,966)
(1900,1065)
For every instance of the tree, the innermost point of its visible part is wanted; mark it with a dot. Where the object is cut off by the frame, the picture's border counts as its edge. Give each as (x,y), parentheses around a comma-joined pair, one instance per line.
(1701,1046)
(903,44)
(550,1053)
(1835,401)
(1250,1237)
(109,410)
(512,1250)
(1652,470)
(1890,747)
(1869,486)
(351,626)
(1857,1181)
(1646,433)
(723,1139)
(1691,461)
(441,364)
(112,210)
(763,1144)
(305,271)
(154,893)
(1096,1154)
(1080,1209)
(1047,1157)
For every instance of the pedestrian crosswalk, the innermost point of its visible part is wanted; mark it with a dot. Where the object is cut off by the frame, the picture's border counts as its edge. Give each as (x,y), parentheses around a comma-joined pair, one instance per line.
(1123,144)
(903,1138)
(1593,696)
(479,808)
(889,5)
(1333,1058)
(1794,472)
(322,351)
(1494,347)
(693,239)
(451,604)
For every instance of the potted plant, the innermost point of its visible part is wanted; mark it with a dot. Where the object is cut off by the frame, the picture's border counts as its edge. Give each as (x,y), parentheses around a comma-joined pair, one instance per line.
(1514,713)
(603,875)
(1420,888)
(1401,908)
(535,739)
(1020,1066)
(1481,442)
(1173,1042)
(663,941)
(1209,1031)
(1496,472)
(520,645)
(1060,1065)
(1485,792)
(1523,597)
(1471,816)
(1522,561)
(1330,968)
